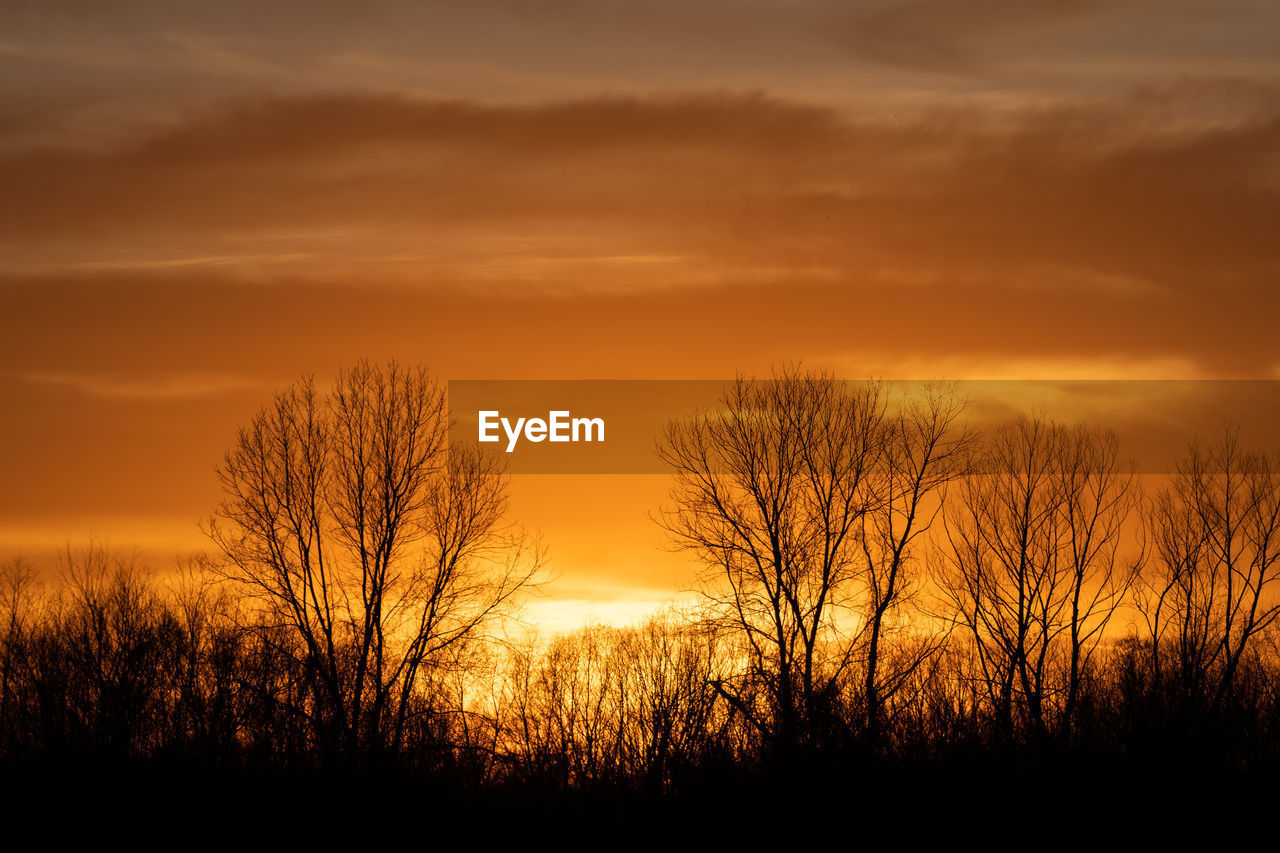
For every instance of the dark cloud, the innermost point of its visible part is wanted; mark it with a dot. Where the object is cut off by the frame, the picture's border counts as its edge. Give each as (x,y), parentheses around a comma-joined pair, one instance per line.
(958,36)
(1018,44)
(1111,201)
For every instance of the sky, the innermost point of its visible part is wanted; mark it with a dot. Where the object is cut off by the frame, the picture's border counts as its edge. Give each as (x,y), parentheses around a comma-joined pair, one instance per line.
(202,201)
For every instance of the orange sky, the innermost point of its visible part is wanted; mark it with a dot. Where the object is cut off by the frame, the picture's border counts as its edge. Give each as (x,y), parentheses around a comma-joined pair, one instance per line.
(202,201)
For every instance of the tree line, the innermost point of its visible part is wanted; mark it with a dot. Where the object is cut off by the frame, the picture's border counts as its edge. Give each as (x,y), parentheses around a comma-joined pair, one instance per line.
(879,579)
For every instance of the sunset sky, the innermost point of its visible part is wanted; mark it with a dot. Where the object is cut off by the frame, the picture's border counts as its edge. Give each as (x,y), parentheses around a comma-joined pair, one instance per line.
(202,201)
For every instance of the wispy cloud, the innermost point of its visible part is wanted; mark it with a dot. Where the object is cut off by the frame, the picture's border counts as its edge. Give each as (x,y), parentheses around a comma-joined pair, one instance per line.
(177,386)
(959,36)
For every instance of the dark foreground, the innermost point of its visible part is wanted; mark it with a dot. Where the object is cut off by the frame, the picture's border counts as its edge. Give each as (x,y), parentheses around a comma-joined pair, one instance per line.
(1020,801)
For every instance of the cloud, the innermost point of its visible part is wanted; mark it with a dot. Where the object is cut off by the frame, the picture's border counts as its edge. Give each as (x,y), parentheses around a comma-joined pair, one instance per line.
(745,226)
(958,36)
(177,386)
(1108,195)
(1063,48)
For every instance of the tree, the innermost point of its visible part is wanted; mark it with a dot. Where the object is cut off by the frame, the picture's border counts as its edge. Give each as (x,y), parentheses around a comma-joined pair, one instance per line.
(106,654)
(1216,535)
(1098,497)
(1032,567)
(925,448)
(382,552)
(770,492)
(17,592)
(618,706)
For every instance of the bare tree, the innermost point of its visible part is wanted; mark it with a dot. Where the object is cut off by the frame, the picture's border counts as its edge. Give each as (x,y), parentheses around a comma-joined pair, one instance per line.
(351,524)
(770,493)
(17,593)
(630,706)
(117,641)
(1098,495)
(1216,535)
(1032,567)
(926,446)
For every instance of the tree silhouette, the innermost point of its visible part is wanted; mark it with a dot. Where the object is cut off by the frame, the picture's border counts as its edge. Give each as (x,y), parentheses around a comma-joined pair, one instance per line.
(1032,562)
(771,490)
(348,522)
(362,570)
(1216,536)
(925,448)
